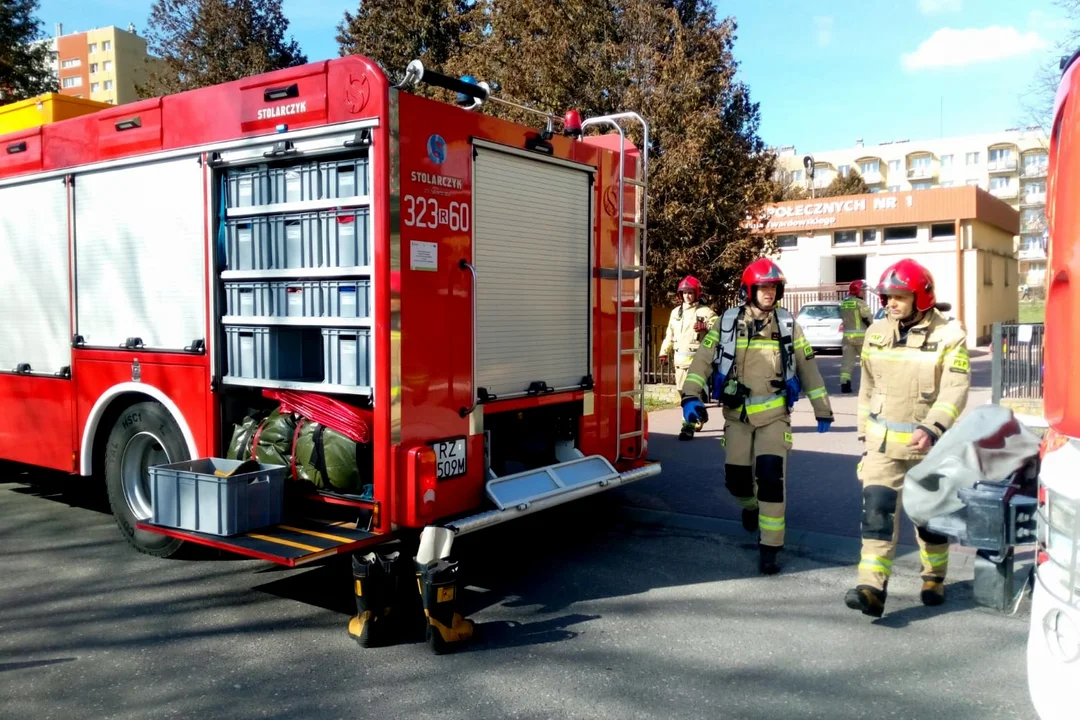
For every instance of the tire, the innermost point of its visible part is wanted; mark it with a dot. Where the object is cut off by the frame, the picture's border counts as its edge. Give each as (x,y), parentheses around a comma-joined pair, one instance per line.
(144,434)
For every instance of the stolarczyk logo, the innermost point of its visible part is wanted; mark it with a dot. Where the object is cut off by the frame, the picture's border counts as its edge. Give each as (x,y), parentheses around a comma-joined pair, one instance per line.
(436,149)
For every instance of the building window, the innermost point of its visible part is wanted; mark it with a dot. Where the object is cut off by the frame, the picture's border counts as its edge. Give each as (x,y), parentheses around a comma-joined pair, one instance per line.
(1006,273)
(1000,155)
(95,87)
(107,45)
(92,48)
(971,158)
(943,231)
(894,188)
(946,183)
(787,241)
(93,68)
(921,163)
(109,84)
(921,185)
(988,269)
(894,165)
(946,161)
(844,170)
(796,176)
(845,237)
(1035,164)
(999,183)
(107,66)
(72,82)
(1036,186)
(74,62)
(869,235)
(901,233)
(869,166)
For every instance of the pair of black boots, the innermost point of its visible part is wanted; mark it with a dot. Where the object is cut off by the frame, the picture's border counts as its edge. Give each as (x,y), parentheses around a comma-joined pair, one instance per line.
(387,610)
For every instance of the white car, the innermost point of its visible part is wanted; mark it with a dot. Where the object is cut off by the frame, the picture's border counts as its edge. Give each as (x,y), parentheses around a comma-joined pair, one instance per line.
(822,324)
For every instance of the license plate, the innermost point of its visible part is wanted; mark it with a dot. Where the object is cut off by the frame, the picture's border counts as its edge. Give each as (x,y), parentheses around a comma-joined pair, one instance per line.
(450,459)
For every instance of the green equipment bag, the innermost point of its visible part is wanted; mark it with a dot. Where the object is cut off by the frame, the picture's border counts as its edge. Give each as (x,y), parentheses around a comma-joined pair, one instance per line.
(331,461)
(267,438)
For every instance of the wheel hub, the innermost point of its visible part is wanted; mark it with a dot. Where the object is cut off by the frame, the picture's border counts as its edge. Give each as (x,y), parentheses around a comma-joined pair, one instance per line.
(141,452)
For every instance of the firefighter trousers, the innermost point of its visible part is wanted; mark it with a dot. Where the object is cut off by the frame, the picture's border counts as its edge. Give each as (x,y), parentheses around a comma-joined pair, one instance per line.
(754,463)
(852,350)
(882,482)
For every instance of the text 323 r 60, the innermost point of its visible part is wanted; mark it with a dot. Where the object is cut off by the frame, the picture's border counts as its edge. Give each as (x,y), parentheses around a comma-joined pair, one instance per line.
(426,212)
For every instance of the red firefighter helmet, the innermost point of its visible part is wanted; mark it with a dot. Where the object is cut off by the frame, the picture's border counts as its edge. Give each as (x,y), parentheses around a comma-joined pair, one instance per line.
(909,276)
(762,271)
(690,284)
(856,287)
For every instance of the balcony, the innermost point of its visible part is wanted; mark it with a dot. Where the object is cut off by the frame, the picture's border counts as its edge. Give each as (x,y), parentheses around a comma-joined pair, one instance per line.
(1008,192)
(1032,253)
(921,173)
(1034,198)
(873,178)
(1007,165)
(1038,170)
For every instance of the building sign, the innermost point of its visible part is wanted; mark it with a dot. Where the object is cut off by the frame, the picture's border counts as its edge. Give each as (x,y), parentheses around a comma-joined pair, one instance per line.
(827,213)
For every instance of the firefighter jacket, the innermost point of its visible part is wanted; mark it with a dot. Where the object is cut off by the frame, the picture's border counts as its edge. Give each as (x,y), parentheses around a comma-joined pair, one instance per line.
(913,379)
(757,378)
(681,336)
(856,316)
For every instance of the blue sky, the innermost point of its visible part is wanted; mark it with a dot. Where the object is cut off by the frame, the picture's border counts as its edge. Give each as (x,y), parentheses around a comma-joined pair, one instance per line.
(826,73)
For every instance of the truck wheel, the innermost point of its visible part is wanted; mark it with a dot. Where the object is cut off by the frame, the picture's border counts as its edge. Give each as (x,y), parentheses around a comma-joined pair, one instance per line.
(145,434)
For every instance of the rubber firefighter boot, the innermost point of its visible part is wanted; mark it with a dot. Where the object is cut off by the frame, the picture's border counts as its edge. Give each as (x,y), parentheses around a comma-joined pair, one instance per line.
(375,589)
(750,519)
(768,560)
(845,387)
(933,592)
(869,600)
(447,630)
(687,432)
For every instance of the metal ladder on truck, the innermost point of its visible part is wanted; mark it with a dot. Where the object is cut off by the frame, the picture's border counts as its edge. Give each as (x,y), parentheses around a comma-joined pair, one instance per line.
(635,270)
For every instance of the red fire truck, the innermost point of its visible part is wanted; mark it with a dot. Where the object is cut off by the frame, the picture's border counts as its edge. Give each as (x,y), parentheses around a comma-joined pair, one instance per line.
(475,286)
(1054,637)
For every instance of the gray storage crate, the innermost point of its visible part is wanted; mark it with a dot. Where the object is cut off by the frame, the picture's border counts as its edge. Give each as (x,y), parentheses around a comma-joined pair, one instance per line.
(346,356)
(249,299)
(249,246)
(296,241)
(344,178)
(345,237)
(294,184)
(189,496)
(248,187)
(298,298)
(273,353)
(346,298)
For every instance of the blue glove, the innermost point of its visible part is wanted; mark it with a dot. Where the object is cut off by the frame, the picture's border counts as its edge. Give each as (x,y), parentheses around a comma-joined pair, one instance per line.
(823,425)
(717,386)
(693,411)
(792,389)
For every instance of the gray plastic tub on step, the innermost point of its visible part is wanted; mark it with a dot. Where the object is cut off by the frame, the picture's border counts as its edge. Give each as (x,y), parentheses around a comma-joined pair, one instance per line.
(189,496)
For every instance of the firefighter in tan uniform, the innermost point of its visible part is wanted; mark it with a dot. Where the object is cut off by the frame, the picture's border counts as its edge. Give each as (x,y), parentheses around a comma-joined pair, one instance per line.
(688,324)
(856,317)
(915,379)
(759,360)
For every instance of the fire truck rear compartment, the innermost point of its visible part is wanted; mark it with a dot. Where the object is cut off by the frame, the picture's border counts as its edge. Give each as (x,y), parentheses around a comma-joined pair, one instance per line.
(520,440)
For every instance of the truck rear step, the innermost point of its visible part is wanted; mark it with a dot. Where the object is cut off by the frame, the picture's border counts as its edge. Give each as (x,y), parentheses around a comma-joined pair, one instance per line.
(296,542)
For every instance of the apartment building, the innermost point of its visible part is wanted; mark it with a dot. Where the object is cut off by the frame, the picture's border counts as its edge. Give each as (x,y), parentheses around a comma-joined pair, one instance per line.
(102,65)
(1010,165)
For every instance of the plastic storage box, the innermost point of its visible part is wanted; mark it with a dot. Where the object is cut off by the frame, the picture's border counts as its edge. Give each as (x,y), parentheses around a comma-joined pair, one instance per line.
(346,298)
(346,356)
(273,353)
(248,187)
(189,496)
(249,299)
(344,178)
(249,244)
(299,298)
(295,241)
(344,237)
(264,185)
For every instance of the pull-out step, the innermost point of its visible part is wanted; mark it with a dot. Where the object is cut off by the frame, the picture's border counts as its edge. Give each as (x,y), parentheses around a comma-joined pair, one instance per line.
(296,542)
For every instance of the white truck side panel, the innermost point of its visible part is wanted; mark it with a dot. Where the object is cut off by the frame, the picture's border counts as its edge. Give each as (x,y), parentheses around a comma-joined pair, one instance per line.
(532,251)
(140,255)
(35,285)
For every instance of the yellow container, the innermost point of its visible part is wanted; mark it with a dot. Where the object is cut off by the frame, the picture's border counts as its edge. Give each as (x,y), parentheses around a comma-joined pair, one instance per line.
(44,109)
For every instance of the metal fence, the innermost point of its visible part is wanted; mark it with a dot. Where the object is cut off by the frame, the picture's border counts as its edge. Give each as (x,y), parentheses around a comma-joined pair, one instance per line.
(1017,361)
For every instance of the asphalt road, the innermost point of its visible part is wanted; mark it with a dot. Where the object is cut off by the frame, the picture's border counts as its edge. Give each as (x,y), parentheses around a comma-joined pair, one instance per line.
(592,611)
